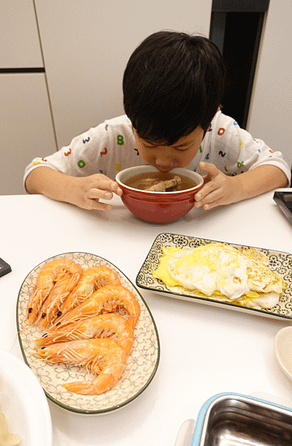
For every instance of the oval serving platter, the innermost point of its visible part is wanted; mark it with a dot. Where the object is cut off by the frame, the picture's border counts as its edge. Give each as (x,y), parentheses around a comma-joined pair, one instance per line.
(142,362)
(280,262)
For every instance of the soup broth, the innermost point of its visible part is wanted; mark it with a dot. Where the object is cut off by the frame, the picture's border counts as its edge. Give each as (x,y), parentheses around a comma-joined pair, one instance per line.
(160,182)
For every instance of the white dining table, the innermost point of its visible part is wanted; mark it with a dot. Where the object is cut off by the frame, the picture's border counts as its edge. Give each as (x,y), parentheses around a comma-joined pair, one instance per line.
(204,350)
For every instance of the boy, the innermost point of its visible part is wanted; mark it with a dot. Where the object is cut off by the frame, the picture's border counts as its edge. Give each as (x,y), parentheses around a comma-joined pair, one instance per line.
(173,86)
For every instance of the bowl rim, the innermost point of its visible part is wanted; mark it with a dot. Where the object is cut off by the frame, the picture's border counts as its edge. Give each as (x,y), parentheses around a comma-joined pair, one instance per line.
(149,168)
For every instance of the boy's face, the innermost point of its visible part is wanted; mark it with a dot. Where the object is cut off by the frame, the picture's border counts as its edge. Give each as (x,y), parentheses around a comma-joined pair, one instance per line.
(164,157)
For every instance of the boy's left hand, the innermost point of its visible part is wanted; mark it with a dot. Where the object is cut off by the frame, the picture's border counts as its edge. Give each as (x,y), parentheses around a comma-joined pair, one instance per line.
(218,188)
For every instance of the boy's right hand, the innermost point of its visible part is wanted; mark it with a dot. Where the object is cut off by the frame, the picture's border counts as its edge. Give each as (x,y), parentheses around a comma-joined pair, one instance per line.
(88,191)
(84,192)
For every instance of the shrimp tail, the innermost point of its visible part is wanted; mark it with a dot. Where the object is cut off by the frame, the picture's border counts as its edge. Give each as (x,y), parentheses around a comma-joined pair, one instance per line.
(101,384)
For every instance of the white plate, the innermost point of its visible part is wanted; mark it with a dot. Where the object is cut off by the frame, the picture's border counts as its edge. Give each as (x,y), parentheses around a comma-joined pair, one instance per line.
(23,402)
(141,365)
(283,350)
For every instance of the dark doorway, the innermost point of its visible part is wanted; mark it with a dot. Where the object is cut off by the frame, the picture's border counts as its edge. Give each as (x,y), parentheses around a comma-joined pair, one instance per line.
(237,33)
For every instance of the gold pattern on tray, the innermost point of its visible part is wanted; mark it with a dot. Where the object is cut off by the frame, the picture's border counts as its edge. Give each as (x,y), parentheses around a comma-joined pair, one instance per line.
(280,262)
(141,365)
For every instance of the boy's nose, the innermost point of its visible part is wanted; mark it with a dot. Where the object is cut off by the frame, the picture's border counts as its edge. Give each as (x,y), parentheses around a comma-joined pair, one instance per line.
(164,163)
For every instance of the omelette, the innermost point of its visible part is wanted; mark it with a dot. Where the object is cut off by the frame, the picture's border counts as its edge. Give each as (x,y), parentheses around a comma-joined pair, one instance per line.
(221,272)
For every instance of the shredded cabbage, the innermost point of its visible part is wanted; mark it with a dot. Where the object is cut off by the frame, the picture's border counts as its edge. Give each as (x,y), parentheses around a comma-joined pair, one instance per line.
(7,438)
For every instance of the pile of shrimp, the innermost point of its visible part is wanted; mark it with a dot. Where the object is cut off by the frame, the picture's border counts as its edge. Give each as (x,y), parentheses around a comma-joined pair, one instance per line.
(89,320)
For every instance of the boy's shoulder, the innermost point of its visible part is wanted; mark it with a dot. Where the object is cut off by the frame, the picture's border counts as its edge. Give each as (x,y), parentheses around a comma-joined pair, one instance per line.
(119,122)
(221,120)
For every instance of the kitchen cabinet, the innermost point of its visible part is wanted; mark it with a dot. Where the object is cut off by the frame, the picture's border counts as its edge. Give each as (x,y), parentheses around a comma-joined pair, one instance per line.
(26,126)
(19,40)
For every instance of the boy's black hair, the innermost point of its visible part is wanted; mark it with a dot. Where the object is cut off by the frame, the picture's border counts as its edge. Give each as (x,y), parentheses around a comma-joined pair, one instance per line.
(173,83)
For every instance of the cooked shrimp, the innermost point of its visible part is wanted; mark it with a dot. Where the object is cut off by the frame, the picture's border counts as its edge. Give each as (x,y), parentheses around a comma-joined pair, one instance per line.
(105,300)
(50,273)
(102,356)
(51,307)
(105,325)
(91,280)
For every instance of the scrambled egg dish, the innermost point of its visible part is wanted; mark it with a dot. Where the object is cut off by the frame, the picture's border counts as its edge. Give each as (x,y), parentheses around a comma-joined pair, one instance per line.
(221,272)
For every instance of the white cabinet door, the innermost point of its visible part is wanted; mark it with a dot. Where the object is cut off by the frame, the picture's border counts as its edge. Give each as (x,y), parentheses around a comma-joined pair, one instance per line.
(19,40)
(25,127)
(86,45)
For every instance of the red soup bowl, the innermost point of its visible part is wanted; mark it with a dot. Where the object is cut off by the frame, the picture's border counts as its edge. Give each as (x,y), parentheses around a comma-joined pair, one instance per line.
(158,207)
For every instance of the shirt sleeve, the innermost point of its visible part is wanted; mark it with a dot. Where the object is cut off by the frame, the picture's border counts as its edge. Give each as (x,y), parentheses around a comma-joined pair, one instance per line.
(235,151)
(79,158)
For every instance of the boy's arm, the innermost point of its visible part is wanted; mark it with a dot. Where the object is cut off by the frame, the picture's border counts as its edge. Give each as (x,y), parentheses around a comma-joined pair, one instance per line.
(84,192)
(220,189)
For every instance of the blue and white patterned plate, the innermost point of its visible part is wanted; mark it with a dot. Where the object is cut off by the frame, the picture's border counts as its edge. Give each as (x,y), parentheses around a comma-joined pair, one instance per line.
(142,362)
(280,262)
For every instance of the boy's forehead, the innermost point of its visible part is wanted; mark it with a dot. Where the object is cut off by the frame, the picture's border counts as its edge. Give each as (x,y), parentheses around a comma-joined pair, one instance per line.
(186,139)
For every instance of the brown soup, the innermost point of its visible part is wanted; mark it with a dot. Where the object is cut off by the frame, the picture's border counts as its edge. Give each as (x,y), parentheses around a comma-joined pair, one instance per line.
(160,182)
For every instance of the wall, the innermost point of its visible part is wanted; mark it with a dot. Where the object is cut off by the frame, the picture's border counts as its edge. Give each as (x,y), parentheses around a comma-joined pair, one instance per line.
(86,45)
(271,105)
